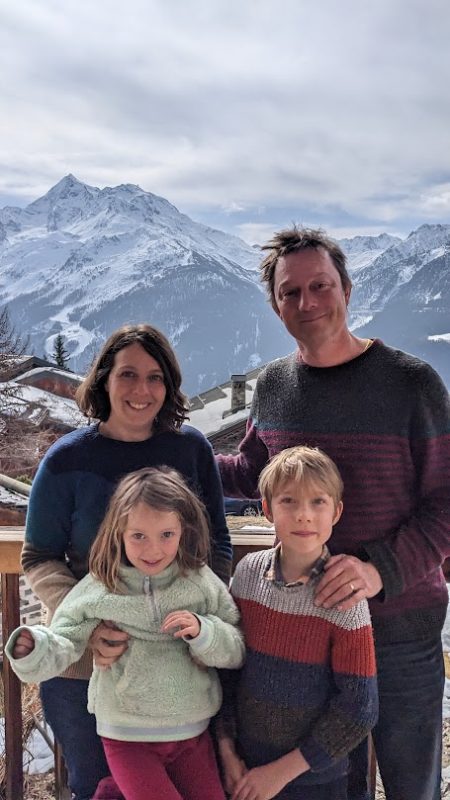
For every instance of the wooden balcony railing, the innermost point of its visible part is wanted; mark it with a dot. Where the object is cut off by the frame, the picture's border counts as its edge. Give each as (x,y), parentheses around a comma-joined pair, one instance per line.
(11,540)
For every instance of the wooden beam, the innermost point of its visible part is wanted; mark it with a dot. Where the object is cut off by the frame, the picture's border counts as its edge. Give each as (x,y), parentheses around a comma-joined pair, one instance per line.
(13,699)
(11,543)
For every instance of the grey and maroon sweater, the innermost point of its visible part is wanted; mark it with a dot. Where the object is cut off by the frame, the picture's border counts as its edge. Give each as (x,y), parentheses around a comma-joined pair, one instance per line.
(384,418)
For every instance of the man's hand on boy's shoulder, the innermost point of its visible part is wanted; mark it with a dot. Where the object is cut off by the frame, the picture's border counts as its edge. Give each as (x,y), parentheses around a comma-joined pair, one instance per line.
(347,581)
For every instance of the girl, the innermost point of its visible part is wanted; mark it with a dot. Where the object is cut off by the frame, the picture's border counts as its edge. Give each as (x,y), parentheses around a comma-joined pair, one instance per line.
(148,575)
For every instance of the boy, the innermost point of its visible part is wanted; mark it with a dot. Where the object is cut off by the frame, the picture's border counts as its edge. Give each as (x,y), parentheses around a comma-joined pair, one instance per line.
(307,694)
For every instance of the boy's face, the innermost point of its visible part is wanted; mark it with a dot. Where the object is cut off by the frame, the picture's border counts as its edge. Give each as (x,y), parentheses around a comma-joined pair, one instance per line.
(303,516)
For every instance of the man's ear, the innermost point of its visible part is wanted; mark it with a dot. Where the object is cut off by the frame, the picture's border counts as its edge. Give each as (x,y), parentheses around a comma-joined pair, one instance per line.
(266,510)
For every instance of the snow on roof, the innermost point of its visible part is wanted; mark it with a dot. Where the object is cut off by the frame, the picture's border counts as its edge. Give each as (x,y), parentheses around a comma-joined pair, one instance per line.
(9,498)
(210,418)
(34,403)
(37,371)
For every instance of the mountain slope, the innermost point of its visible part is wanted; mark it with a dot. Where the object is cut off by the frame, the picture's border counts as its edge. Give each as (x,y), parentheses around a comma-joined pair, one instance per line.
(80,261)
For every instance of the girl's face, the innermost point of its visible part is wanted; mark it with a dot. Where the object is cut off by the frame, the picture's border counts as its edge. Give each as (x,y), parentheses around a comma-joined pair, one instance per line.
(151,538)
(136,393)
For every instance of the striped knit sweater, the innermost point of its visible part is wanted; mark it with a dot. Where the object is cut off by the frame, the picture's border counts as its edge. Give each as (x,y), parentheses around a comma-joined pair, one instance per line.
(309,676)
(384,418)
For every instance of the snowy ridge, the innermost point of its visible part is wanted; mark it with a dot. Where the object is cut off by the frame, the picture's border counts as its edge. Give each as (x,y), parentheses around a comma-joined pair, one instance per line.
(81,260)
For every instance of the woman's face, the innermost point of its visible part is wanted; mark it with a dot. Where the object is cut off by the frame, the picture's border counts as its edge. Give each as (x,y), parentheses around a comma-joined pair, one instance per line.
(136,393)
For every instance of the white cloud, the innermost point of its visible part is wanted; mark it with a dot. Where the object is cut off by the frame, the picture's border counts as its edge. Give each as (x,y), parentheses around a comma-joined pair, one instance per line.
(338,109)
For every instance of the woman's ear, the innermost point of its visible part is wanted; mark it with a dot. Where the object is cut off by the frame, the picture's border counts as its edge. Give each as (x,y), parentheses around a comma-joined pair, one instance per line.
(266,510)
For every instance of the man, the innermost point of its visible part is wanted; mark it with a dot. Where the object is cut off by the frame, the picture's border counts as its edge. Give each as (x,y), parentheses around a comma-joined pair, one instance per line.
(383,416)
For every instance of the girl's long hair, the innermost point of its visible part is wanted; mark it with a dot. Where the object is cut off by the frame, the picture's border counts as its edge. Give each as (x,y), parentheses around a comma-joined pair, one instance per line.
(161,488)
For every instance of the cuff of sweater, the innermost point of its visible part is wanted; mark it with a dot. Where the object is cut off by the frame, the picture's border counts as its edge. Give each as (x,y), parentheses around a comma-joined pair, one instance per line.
(204,640)
(382,557)
(28,664)
(317,758)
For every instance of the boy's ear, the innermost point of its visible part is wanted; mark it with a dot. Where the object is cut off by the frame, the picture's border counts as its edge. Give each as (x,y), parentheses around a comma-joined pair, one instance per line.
(338,512)
(266,510)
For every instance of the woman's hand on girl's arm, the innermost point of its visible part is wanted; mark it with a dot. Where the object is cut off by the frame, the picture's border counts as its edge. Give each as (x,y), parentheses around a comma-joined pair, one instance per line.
(108,643)
(24,645)
(186,625)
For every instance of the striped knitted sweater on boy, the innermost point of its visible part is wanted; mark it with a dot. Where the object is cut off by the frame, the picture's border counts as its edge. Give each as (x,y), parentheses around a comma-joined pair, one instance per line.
(309,677)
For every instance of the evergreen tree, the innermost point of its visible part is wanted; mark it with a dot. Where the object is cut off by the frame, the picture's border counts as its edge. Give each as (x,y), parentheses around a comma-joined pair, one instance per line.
(60,354)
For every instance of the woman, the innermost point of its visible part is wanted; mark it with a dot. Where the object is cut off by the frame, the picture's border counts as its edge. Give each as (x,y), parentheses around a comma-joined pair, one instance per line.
(133,390)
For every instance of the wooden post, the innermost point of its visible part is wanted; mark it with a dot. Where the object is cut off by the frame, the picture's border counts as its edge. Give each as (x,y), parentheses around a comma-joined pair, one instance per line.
(13,699)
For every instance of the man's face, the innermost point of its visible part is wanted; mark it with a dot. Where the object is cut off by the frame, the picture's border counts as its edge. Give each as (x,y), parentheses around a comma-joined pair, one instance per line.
(310,298)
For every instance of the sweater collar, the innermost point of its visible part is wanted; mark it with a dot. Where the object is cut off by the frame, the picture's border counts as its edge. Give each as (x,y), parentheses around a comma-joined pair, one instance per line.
(135,581)
(273,572)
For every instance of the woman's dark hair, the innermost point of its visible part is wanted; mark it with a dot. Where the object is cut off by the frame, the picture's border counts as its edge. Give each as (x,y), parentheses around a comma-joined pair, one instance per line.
(92,397)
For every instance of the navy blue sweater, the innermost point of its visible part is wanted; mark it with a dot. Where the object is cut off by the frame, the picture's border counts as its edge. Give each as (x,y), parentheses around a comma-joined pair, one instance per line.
(78,475)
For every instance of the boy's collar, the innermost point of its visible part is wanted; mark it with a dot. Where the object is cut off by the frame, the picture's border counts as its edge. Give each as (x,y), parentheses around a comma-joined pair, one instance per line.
(273,572)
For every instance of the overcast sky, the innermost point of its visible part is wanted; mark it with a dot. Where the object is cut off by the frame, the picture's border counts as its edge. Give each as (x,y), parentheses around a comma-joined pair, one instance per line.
(246,114)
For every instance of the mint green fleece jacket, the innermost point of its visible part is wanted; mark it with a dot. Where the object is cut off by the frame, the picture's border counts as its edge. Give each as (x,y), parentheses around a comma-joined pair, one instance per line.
(161,689)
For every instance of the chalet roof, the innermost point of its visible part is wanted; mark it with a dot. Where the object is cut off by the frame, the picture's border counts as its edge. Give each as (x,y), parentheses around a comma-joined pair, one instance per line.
(211,411)
(13,493)
(38,406)
(17,365)
(49,372)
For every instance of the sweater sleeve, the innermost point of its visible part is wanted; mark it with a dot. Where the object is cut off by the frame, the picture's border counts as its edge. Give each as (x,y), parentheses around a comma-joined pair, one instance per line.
(58,646)
(420,545)
(220,642)
(240,473)
(353,709)
(212,496)
(47,537)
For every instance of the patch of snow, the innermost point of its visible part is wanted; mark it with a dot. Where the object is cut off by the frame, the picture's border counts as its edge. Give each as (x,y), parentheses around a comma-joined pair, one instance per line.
(37,756)
(439,337)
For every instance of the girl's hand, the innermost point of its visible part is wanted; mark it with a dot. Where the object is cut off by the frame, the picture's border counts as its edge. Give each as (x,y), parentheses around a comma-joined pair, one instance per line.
(107,643)
(24,645)
(181,624)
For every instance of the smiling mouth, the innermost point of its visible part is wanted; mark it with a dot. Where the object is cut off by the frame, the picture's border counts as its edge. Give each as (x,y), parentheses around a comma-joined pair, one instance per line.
(304,533)
(311,319)
(138,406)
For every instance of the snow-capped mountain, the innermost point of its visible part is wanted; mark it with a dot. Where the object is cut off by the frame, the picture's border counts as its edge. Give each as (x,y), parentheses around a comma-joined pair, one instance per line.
(81,261)
(403,297)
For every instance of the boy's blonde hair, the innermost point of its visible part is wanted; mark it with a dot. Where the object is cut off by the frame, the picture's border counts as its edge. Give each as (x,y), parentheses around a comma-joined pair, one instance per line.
(165,490)
(307,466)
